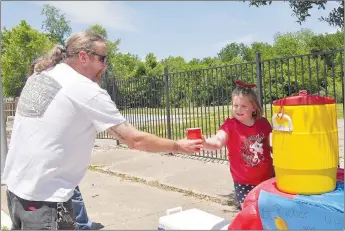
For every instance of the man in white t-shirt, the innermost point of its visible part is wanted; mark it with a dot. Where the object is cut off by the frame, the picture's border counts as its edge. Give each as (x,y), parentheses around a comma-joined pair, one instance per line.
(59,113)
(81,217)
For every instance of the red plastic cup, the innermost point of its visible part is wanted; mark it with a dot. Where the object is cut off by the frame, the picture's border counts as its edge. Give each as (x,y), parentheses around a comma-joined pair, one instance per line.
(194,134)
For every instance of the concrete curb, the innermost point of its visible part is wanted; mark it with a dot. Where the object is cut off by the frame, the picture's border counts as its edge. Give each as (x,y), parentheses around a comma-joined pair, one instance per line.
(166,187)
(6,222)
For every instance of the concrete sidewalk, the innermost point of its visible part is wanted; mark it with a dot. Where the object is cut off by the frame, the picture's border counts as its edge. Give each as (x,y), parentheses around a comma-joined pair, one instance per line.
(133,189)
(187,173)
(123,204)
(203,177)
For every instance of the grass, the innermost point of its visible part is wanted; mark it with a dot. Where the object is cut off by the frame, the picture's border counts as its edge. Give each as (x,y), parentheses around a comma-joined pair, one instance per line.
(4,228)
(209,118)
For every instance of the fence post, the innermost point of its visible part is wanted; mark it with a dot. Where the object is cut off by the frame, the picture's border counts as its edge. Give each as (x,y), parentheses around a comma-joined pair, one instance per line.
(115,97)
(259,76)
(115,100)
(3,135)
(166,91)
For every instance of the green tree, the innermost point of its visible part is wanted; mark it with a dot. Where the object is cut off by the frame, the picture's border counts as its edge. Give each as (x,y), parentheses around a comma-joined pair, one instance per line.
(176,64)
(286,68)
(323,42)
(98,29)
(301,10)
(21,45)
(235,50)
(125,70)
(266,50)
(125,65)
(292,43)
(148,79)
(55,24)
(153,66)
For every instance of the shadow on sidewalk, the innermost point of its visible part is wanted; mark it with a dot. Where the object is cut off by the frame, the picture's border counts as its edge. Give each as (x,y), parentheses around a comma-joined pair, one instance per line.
(97,226)
(231,201)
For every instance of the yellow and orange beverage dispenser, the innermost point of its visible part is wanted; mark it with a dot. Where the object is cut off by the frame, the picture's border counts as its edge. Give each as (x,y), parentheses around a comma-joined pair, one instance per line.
(305,144)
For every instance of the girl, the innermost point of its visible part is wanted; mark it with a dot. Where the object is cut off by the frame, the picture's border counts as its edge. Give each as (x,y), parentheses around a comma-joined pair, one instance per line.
(246,136)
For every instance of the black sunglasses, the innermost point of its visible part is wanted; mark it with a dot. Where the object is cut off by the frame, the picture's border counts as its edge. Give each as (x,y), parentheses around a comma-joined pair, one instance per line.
(102,58)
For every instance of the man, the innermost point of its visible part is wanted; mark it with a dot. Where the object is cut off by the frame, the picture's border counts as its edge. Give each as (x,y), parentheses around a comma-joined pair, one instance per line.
(79,208)
(59,113)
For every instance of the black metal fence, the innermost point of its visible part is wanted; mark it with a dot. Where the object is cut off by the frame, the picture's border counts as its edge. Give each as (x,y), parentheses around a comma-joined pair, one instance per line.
(167,104)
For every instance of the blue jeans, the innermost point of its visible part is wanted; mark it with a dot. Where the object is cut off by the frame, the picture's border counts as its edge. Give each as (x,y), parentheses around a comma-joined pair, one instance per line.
(79,208)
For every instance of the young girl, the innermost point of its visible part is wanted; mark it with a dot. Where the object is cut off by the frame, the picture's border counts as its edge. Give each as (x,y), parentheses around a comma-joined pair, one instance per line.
(246,136)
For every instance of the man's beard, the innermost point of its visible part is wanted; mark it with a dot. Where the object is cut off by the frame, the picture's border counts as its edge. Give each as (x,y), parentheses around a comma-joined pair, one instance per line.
(99,76)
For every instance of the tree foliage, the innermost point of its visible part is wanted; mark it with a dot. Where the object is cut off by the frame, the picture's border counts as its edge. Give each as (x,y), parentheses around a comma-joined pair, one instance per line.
(286,68)
(55,24)
(98,29)
(20,46)
(301,10)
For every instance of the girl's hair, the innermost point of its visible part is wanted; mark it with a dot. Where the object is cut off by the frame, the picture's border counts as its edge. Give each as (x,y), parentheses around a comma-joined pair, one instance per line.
(81,41)
(250,93)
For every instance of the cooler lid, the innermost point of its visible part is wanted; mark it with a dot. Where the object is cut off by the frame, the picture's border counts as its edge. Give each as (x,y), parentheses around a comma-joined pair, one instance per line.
(303,99)
(193,219)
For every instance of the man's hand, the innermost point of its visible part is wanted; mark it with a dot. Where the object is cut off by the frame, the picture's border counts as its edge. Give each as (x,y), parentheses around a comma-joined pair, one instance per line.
(188,146)
(143,141)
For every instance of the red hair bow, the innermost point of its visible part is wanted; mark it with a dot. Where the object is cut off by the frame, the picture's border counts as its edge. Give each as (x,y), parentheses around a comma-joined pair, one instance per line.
(243,84)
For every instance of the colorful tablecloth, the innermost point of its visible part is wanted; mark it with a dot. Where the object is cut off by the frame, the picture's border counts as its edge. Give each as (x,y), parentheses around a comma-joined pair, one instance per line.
(267,208)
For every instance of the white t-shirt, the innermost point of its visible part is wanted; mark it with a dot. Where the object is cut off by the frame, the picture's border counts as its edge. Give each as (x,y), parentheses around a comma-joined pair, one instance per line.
(58,116)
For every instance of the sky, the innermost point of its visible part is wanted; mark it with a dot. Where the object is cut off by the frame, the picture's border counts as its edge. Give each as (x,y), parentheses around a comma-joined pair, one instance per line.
(191,29)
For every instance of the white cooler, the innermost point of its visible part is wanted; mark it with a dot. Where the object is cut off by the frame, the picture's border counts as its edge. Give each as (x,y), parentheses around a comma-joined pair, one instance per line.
(192,219)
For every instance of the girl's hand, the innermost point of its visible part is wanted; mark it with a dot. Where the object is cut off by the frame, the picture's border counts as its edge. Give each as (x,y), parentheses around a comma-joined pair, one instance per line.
(203,140)
(215,142)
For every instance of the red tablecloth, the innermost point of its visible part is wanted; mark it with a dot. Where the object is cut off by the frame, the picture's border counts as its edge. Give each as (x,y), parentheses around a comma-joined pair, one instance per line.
(249,218)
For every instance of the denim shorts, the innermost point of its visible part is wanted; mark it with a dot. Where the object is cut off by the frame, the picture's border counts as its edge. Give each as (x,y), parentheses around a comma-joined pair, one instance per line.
(34,215)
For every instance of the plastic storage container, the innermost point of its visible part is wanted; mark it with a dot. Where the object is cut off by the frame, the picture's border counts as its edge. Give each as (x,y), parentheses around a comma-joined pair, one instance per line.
(305,144)
(192,219)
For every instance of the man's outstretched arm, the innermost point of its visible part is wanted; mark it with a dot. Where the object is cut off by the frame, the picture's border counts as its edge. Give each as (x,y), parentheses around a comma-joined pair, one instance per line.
(144,141)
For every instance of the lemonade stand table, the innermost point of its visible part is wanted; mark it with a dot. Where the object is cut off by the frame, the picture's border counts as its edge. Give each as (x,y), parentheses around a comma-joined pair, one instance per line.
(267,208)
